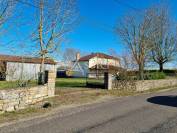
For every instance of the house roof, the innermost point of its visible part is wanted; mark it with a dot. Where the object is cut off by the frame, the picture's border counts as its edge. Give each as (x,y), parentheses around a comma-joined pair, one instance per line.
(100,55)
(22,59)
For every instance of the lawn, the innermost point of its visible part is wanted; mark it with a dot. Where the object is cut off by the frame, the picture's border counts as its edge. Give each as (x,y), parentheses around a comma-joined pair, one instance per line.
(5,84)
(79,82)
(95,83)
(60,82)
(14,84)
(71,82)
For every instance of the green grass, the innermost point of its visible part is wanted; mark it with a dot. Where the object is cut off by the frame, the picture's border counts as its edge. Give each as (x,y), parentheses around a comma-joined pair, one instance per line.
(77,82)
(95,81)
(5,84)
(13,84)
(71,82)
(60,82)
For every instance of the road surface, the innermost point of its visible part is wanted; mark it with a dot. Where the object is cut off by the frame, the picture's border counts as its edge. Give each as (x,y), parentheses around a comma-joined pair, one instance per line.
(149,113)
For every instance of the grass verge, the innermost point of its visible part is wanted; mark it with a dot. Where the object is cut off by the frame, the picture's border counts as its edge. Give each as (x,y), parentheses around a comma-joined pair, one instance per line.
(69,96)
(63,97)
(160,89)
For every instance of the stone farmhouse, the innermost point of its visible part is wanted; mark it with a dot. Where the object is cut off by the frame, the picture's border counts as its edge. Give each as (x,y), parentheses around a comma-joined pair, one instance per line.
(18,67)
(94,64)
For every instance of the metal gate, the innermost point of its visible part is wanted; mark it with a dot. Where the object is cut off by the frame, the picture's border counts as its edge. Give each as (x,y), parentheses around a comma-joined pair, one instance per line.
(95,80)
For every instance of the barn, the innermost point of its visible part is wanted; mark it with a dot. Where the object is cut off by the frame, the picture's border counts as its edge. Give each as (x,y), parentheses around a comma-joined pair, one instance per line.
(19,67)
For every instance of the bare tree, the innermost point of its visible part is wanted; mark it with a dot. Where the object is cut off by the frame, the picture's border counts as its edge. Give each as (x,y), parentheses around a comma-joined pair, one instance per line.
(56,19)
(70,54)
(6,8)
(163,36)
(6,11)
(134,31)
(6,14)
(127,61)
(113,52)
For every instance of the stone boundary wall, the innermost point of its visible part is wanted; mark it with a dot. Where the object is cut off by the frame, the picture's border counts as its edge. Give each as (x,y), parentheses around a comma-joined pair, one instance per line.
(15,99)
(124,85)
(152,84)
(142,85)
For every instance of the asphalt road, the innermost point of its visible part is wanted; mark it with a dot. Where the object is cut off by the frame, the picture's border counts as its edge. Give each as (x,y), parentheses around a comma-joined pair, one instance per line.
(150,113)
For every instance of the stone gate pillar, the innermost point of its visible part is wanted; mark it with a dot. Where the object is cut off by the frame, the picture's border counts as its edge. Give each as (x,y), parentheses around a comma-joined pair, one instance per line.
(108,80)
(51,83)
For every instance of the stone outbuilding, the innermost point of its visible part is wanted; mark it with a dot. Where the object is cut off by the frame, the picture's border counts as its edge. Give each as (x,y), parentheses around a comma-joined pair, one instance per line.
(19,67)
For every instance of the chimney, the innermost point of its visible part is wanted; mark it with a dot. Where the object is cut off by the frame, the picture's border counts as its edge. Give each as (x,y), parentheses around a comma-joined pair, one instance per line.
(77,56)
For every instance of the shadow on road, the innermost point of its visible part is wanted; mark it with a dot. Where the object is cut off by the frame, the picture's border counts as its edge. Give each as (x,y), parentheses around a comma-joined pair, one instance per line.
(164,100)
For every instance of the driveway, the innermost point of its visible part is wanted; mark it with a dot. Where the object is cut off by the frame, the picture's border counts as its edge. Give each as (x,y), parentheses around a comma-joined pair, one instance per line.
(146,113)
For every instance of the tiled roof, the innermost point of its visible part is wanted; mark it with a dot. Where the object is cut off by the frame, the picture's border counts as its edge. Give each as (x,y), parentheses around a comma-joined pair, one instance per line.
(21,59)
(100,55)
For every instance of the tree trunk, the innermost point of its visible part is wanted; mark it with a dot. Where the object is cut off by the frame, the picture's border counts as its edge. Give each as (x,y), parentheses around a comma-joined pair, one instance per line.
(161,67)
(42,64)
(41,37)
(41,74)
(141,71)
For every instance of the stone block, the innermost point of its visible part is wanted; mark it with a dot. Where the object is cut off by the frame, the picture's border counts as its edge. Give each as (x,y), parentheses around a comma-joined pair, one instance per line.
(15,99)
(9,108)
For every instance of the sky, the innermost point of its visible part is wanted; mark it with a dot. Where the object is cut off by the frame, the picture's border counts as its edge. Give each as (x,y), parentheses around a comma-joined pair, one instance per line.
(94,33)
(99,18)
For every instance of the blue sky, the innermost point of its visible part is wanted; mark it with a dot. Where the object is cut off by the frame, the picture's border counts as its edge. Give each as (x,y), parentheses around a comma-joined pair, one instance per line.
(99,18)
(105,14)
(94,32)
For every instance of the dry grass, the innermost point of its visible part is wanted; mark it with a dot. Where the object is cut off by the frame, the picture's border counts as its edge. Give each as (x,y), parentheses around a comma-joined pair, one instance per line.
(75,96)
(120,93)
(160,89)
(68,97)
(63,97)
(15,115)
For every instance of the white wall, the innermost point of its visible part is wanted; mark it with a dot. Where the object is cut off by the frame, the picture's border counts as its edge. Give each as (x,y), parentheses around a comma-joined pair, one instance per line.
(26,71)
(94,61)
(81,69)
(85,65)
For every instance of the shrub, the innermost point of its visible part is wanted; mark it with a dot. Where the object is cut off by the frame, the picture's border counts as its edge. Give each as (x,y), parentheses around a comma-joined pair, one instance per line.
(168,72)
(155,75)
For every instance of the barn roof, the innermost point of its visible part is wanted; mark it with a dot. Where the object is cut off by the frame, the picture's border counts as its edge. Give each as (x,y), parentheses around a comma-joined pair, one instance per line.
(100,55)
(23,59)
